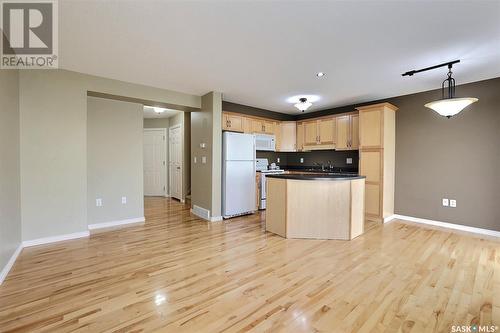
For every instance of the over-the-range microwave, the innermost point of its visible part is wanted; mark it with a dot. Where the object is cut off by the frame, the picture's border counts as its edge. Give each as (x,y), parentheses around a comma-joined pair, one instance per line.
(265,142)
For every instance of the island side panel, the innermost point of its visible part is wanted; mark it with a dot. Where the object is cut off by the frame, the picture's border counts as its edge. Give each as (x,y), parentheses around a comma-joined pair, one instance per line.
(318,209)
(276,203)
(357,207)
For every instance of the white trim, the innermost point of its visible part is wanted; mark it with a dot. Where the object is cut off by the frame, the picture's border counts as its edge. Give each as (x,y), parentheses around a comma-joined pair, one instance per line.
(460,227)
(10,263)
(181,128)
(116,223)
(216,219)
(53,239)
(390,218)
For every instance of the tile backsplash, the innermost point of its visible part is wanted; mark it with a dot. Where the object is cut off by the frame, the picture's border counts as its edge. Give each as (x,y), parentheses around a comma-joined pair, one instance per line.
(337,158)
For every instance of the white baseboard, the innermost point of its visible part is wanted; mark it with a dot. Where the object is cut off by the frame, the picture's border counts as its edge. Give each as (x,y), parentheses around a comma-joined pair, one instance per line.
(216,219)
(10,263)
(54,239)
(201,212)
(116,223)
(441,224)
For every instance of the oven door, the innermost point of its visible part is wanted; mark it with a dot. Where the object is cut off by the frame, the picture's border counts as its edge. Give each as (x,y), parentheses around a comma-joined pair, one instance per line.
(262,199)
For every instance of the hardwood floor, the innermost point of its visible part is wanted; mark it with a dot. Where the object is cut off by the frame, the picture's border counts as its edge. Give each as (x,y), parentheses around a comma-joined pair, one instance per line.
(177,273)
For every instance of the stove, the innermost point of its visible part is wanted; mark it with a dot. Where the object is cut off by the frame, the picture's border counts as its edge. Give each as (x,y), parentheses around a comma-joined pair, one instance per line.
(262,166)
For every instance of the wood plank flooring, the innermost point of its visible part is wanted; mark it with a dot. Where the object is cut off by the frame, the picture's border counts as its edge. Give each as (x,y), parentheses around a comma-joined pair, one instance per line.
(177,273)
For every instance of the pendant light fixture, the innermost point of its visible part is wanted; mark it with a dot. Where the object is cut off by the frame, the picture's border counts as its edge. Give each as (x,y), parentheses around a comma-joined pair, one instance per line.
(303,104)
(448,105)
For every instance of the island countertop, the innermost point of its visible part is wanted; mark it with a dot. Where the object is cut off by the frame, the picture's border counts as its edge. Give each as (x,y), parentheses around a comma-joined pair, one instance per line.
(316,176)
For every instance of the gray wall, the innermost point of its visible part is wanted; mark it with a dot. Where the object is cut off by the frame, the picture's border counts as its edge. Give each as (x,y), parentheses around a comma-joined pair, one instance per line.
(53,108)
(114,160)
(206,178)
(457,158)
(10,200)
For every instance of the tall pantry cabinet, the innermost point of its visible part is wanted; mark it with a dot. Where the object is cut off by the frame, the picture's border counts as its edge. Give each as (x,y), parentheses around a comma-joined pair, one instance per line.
(377,150)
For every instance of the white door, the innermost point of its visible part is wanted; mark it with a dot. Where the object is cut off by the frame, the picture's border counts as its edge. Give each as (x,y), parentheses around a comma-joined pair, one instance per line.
(175,161)
(154,162)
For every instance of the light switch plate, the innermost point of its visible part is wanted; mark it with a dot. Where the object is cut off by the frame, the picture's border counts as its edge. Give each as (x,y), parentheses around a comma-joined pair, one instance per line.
(453,203)
(204,159)
(124,200)
(349,160)
(277,159)
(445,203)
(301,160)
(98,202)
(195,160)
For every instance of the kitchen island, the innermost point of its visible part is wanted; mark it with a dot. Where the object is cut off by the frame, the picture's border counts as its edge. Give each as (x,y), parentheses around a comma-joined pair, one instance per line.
(317,206)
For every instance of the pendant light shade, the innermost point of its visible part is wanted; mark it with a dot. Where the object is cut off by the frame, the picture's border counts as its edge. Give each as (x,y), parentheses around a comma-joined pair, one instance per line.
(450,106)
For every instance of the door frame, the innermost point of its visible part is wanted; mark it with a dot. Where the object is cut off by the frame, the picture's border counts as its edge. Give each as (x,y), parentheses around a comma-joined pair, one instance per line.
(165,167)
(180,126)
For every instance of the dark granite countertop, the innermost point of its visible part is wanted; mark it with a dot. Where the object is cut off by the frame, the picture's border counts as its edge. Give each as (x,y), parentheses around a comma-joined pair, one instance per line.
(318,169)
(316,176)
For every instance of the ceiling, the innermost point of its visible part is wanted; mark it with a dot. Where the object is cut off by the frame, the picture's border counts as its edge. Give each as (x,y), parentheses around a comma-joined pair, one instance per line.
(261,53)
(149,112)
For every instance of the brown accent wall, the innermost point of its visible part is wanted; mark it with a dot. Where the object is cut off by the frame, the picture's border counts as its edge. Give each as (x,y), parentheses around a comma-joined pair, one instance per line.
(252,111)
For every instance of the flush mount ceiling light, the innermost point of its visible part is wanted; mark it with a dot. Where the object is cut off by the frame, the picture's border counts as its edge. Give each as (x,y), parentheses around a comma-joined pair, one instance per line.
(448,105)
(303,104)
(158,110)
(320,74)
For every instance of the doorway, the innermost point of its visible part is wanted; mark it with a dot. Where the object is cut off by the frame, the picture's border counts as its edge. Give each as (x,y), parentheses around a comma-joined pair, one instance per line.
(175,161)
(155,162)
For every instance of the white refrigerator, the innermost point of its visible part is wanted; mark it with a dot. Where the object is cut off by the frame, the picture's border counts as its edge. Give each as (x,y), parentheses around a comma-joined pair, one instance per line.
(238,174)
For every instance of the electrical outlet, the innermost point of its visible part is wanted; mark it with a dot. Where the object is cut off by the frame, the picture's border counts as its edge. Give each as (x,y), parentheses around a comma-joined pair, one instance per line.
(277,159)
(453,203)
(203,159)
(195,160)
(98,202)
(349,160)
(445,203)
(124,200)
(301,160)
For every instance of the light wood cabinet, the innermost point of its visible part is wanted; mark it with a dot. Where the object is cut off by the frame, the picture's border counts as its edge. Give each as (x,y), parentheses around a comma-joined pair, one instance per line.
(247,125)
(300,136)
(262,126)
(278,136)
(347,132)
(232,122)
(377,133)
(310,133)
(320,133)
(288,136)
(326,131)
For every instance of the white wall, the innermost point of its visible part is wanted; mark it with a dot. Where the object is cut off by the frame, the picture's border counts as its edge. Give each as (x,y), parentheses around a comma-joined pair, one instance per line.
(114,160)
(10,209)
(53,113)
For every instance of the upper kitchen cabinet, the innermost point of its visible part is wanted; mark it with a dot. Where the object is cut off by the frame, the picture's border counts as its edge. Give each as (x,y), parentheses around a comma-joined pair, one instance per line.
(300,136)
(262,126)
(232,122)
(319,133)
(347,132)
(288,136)
(372,121)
